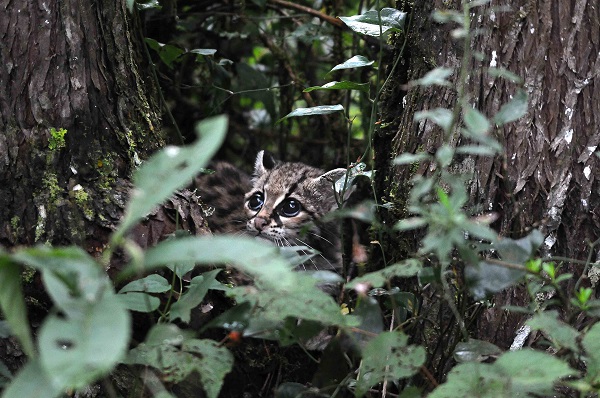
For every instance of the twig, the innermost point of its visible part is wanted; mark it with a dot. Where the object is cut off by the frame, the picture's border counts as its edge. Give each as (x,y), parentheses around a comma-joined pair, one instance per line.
(311,11)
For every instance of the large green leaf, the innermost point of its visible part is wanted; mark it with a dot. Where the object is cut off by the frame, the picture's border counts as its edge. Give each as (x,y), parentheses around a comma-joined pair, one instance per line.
(71,276)
(75,351)
(170,169)
(32,381)
(388,357)
(259,259)
(12,303)
(369,22)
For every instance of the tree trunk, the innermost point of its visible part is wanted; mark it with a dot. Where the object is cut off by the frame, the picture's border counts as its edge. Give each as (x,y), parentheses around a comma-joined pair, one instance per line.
(546,177)
(77,114)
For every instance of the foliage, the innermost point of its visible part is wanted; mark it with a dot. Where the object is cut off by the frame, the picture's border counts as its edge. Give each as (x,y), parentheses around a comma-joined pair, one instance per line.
(57,138)
(375,345)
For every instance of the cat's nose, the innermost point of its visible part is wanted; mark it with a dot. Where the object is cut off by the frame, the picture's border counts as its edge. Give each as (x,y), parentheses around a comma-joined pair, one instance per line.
(260,223)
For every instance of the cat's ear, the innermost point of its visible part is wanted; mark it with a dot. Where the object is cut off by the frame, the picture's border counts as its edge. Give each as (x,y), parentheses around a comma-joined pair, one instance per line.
(327,182)
(332,176)
(264,161)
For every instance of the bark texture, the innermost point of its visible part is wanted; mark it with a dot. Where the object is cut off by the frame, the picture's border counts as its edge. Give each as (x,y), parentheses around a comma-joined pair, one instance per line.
(547,177)
(76,115)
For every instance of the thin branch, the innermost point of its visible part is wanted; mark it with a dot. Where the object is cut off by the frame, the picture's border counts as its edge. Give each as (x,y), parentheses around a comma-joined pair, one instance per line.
(311,11)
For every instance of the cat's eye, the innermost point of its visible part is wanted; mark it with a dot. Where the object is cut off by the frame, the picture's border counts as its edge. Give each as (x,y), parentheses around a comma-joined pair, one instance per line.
(256,201)
(289,208)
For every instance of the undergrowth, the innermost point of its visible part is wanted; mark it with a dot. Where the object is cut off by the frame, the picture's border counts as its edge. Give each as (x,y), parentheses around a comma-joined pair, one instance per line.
(370,335)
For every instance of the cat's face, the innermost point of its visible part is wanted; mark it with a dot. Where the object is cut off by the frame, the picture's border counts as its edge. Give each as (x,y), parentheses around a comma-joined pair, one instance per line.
(287,200)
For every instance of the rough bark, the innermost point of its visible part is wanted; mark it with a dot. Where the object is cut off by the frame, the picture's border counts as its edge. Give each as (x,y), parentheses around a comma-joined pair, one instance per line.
(547,175)
(77,66)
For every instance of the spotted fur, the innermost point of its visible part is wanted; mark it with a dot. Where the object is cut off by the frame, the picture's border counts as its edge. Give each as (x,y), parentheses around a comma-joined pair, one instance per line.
(283,203)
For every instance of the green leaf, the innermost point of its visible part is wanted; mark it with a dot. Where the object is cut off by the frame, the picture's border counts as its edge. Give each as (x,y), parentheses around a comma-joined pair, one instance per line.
(486,278)
(520,250)
(193,296)
(475,350)
(167,333)
(181,269)
(167,52)
(343,183)
(75,351)
(152,4)
(408,224)
(444,155)
(591,346)
(410,158)
(435,76)
(204,51)
(444,16)
(370,319)
(560,334)
(214,364)
(206,357)
(139,301)
(151,284)
(71,276)
(404,269)
(515,374)
(343,85)
(302,300)
(388,357)
(170,169)
(315,110)
(440,116)
(369,24)
(364,211)
(512,110)
(476,150)
(473,379)
(480,231)
(532,372)
(12,304)
(476,122)
(357,61)
(506,74)
(257,258)
(32,381)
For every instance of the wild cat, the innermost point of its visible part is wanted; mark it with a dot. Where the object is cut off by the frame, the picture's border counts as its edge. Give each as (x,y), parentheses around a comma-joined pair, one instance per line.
(284,203)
